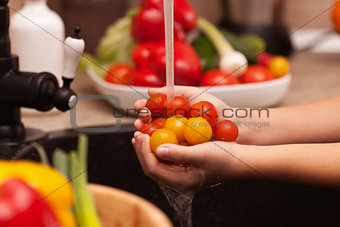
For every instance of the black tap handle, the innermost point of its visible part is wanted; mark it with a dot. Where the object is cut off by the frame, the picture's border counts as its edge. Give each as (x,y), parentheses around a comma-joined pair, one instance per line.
(76,33)
(3,2)
(5,47)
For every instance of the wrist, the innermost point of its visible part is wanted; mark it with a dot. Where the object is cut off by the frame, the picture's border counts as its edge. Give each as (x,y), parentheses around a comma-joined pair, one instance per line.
(245,161)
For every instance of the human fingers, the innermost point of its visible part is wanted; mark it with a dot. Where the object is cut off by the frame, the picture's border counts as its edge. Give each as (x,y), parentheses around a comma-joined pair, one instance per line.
(138,124)
(177,154)
(140,104)
(138,147)
(145,115)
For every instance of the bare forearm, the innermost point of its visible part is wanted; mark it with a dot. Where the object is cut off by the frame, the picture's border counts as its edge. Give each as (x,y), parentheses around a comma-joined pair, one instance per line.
(317,164)
(316,122)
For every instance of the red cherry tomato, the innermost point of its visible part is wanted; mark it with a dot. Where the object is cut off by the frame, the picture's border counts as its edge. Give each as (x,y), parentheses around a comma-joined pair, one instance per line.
(156,104)
(264,59)
(226,131)
(218,78)
(150,128)
(146,78)
(119,74)
(179,106)
(255,74)
(205,110)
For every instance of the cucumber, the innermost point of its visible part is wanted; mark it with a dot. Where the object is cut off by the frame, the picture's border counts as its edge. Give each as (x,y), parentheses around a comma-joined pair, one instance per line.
(254,40)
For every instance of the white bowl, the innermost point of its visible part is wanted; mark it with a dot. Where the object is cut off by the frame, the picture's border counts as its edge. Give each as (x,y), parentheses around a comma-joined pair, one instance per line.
(263,94)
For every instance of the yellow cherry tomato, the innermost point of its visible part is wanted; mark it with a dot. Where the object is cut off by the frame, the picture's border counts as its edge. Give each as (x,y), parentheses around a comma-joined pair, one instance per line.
(279,66)
(162,136)
(176,124)
(197,130)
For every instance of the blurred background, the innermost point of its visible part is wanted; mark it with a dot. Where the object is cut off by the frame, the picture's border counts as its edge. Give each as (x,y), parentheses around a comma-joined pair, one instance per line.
(98,14)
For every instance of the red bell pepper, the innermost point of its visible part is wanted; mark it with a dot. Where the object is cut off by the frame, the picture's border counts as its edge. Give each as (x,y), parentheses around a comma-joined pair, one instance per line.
(20,205)
(148,25)
(151,56)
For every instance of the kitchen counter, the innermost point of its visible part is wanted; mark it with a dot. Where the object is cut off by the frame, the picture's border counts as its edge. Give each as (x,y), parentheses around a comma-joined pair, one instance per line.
(315,77)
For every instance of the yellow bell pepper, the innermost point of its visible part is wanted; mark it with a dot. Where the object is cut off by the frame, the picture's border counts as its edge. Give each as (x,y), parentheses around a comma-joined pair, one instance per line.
(52,186)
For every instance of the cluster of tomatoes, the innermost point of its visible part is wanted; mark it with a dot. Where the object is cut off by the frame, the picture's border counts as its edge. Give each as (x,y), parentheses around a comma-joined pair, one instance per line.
(269,68)
(177,122)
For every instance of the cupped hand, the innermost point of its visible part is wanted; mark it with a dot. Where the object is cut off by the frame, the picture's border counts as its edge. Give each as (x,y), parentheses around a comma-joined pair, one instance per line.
(189,168)
(202,165)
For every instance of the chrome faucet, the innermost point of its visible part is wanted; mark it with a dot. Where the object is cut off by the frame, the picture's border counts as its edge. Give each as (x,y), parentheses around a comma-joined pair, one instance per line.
(39,91)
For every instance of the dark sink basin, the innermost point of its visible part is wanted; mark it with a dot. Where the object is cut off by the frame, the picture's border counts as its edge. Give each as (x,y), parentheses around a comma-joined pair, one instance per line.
(112,162)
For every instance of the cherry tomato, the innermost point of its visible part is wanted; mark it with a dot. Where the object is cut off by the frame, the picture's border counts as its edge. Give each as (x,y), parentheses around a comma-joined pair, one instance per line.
(197,131)
(162,136)
(218,78)
(226,131)
(150,128)
(205,110)
(177,124)
(255,74)
(178,106)
(279,66)
(119,74)
(264,59)
(146,78)
(156,104)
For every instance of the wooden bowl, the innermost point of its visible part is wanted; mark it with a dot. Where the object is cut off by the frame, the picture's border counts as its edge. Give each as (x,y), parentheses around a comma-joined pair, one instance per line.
(117,208)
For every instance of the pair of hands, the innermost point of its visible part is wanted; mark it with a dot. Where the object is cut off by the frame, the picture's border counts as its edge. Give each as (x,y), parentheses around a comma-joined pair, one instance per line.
(205,164)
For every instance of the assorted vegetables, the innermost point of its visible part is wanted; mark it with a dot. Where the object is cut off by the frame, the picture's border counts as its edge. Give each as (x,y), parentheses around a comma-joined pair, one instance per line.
(37,183)
(132,51)
(34,194)
(180,123)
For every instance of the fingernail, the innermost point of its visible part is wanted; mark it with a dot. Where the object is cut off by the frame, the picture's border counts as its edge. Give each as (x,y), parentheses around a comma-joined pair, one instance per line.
(137,134)
(162,151)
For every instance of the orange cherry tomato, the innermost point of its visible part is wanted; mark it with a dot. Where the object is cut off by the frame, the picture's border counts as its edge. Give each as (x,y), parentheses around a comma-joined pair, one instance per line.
(197,131)
(162,136)
(279,66)
(177,125)
(336,16)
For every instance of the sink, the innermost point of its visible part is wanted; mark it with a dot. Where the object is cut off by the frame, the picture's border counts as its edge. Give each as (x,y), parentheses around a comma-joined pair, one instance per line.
(112,162)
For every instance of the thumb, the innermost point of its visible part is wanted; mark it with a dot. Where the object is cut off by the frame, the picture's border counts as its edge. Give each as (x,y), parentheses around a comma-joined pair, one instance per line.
(176,153)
